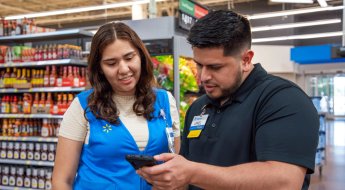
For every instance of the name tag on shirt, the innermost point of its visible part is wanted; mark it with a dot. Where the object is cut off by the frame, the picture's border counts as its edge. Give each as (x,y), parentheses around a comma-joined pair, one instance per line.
(197,126)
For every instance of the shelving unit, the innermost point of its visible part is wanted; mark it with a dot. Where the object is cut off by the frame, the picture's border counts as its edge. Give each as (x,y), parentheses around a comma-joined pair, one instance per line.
(62,34)
(42,89)
(29,139)
(74,62)
(14,188)
(73,37)
(26,162)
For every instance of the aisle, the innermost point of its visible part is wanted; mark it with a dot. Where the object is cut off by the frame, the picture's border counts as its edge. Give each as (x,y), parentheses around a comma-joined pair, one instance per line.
(333,174)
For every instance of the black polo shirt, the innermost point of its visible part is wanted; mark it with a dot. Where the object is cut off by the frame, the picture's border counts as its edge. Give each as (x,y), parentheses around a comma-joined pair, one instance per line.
(266,119)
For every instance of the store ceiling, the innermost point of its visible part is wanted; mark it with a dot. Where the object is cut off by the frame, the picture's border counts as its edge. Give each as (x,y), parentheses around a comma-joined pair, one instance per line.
(165,8)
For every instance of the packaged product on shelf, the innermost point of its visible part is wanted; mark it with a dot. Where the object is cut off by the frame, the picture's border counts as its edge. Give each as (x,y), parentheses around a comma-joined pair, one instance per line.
(12,178)
(30,153)
(48,181)
(37,153)
(34,178)
(1,26)
(10,150)
(45,129)
(23,152)
(51,153)
(3,152)
(20,177)
(44,153)
(27,102)
(16,151)
(5,175)
(27,178)
(41,179)
(3,53)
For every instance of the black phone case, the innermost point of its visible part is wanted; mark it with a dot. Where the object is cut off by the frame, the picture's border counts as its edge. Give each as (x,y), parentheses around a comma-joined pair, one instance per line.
(138,161)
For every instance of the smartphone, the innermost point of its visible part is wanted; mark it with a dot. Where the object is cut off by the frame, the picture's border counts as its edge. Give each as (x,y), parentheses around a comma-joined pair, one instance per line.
(139,161)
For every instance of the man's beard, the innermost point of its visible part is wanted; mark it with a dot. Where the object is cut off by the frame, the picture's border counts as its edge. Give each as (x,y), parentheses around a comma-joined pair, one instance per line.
(226,93)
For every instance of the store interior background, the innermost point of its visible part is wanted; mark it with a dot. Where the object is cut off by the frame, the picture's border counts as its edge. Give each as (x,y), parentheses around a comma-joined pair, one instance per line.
(324,80)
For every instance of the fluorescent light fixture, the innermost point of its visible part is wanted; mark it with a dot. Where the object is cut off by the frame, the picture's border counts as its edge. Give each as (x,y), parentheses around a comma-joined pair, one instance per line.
(292,1)
(80,9)
(295,25)
(293,12)
(298,37)
(322,3)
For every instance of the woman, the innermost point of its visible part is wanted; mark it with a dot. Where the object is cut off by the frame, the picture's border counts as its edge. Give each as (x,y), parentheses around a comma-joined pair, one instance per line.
(122,114)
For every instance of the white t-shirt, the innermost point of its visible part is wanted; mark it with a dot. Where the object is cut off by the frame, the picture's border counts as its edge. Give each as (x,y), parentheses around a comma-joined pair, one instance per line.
(74,126)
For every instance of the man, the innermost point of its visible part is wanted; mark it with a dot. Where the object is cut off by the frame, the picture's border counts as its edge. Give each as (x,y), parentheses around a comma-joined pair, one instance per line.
(251,130)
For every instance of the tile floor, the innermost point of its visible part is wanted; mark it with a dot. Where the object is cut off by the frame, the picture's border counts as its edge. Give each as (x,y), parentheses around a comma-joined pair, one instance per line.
(333,172)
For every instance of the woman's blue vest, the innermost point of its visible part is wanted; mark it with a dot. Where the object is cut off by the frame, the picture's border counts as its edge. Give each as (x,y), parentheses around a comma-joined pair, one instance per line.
(102,164)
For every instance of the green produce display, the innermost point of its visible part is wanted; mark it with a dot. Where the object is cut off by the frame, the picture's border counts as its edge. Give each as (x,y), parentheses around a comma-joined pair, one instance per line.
(164,73)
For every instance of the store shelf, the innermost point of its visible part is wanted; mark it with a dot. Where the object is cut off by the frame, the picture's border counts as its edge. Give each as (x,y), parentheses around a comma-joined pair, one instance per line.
(26,162)
(75,62)
(14,188)
(42,89)
(63,34)
(43,116)
(29,139)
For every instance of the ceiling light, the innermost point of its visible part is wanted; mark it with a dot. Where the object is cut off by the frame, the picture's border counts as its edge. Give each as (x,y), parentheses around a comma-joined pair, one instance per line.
(322,3)
(292,1)
(298,37)
(80,9)
(295,25)
(293,12)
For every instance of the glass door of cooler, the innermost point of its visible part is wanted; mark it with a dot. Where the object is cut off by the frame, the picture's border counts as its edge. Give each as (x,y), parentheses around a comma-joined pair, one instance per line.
(339,95)
(330,89)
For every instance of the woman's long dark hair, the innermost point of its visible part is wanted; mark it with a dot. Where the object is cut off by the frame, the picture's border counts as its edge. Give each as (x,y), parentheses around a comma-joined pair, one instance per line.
(100,101)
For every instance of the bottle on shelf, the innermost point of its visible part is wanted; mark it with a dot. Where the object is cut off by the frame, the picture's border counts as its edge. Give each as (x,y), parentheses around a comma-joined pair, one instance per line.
(30,152)
(52,77)
(48,181)
(45,128)
(5,175)
(10,150)
(51,153)
(34,178)
(76,76)
(13,77)
(20,105)
(4,128)
(3,152)
(37,153)
(17,128)
(7,80)
(46,77)
(20,177)
(27,102)
(13,176)
(16,151)
(27,178)
(23,152)
(41,179)
(44,153)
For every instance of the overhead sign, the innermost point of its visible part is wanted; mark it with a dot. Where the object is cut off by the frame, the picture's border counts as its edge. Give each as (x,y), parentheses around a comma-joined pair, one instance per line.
(189,12)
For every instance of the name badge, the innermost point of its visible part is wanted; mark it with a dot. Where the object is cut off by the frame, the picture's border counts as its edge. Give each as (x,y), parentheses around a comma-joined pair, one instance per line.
(197,126)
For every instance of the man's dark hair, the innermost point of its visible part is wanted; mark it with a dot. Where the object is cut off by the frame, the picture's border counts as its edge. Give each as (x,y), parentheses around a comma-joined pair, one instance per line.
(222,28)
